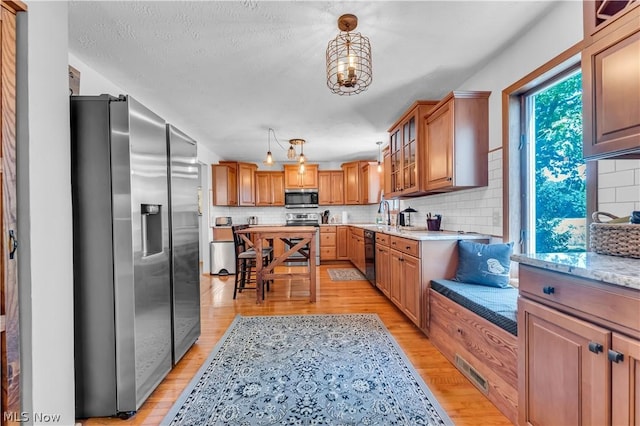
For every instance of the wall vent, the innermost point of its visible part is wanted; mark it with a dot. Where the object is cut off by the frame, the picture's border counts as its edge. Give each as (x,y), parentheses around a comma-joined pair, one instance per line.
(471,374)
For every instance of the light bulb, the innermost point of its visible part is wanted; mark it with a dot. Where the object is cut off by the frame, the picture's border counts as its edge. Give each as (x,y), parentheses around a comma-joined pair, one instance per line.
(301,169)
(301,159)
(291,153)
(269,158)
(379,167)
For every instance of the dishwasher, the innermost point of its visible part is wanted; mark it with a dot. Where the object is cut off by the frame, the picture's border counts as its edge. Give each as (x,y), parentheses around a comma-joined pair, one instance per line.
(370,256)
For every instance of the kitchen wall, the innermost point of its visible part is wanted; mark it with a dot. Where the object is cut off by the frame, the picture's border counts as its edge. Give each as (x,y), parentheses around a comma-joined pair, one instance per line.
(45,268)
(618,187)
(471,210)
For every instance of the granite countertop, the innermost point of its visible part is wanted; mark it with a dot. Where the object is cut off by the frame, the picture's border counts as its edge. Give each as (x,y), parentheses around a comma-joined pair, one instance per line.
(615,270)
(420,234)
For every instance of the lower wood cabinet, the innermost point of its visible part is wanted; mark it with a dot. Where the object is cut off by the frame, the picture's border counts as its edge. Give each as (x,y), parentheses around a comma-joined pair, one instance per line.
(342,242)
(383,273)
(356,248)
(579,351)
(406,285)
(327,243)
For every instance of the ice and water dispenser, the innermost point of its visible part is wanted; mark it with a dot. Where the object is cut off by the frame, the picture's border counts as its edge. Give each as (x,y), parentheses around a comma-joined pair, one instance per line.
(151,229)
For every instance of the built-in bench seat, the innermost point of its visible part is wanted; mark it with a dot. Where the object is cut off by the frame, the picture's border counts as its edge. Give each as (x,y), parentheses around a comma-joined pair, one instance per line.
(497,305)
(475,328)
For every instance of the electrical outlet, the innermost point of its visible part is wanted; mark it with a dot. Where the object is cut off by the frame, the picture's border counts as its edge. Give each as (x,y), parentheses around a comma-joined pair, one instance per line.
(496,218)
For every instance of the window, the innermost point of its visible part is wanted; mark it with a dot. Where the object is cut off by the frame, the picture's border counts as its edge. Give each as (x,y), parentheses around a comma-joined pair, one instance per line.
(553,173)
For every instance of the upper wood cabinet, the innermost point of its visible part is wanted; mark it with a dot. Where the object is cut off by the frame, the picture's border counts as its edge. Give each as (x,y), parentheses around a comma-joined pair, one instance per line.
(457,142)
(330,187)
(294,180)
(386,176)
(224,184)
(233,183)
(406,146)
(611,79)
(361,182)
(269,189)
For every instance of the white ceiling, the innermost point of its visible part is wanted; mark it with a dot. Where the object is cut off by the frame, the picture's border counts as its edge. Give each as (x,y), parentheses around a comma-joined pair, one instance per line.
(226,71)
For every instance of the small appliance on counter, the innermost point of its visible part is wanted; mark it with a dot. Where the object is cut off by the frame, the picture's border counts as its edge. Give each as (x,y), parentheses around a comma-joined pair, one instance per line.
(223,221)
(252,220)
(404,217)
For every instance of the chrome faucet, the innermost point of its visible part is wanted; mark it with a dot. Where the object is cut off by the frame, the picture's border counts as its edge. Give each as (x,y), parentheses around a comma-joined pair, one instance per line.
(384,204)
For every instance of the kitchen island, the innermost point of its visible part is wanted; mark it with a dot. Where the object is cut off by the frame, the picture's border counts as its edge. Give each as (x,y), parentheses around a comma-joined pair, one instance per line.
(305,236)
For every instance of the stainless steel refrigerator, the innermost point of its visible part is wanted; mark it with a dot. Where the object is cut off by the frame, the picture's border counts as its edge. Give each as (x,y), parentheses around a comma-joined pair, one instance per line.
(184,240)
(122,291)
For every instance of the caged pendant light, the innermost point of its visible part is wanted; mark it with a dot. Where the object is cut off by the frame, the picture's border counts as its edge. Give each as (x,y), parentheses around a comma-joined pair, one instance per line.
(348,59)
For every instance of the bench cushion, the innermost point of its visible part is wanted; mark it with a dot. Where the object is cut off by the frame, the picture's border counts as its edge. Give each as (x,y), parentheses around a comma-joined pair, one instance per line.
(497,305)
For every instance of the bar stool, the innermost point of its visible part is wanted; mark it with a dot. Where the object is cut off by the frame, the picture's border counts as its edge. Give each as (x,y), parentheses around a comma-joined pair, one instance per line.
(245,263)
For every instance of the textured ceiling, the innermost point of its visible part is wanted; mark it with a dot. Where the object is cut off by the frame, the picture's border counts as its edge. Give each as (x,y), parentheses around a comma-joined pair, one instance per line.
(227,71)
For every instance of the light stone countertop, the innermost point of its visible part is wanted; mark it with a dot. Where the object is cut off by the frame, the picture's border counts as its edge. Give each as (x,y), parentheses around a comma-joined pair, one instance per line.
(420,234)
(621,271)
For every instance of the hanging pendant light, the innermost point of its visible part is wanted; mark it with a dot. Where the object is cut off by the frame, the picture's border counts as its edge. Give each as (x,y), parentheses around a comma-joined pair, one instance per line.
(301,158)
(291,152)
(379,143)
(348,59)
(269,160)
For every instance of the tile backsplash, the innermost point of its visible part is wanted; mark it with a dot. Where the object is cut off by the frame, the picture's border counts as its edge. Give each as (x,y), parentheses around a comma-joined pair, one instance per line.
(619,186)
(469,210)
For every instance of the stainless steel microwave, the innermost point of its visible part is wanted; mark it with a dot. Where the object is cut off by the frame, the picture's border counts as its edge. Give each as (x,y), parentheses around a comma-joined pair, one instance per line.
(300,198)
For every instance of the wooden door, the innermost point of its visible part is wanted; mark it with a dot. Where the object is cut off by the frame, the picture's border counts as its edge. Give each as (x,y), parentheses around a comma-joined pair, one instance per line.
(625,380)
(382,269)
(611,86)
(396,275)
(387,173)
(411,288)
(439,134)
(291,177)
(264,190)
(246,185)
(277,187)
(310,176)
(351,183)
(342,243)
(337,187)
(325,195)
(9,312)
(562,382)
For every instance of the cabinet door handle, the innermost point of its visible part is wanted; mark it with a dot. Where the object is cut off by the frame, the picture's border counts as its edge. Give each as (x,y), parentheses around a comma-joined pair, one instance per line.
(407,247)
(595,347)
(615,356)
(548,290)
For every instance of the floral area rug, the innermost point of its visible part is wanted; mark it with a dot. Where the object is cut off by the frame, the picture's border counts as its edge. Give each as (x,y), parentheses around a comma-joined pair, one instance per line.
(345,274)
(307,370)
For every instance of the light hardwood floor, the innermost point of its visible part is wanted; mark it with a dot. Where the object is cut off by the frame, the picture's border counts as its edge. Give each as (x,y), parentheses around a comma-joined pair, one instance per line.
(461,400)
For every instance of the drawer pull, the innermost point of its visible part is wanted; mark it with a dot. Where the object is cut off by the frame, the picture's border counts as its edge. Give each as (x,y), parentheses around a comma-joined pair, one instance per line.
(615,356)
(548,290)
(595,347)
(407,247)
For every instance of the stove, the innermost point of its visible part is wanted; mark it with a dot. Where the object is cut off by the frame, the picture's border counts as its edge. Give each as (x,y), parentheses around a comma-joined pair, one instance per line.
(305,219)
(302,219)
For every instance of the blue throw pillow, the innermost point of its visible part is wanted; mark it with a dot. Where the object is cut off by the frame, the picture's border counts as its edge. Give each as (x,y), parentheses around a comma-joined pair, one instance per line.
(484,264)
